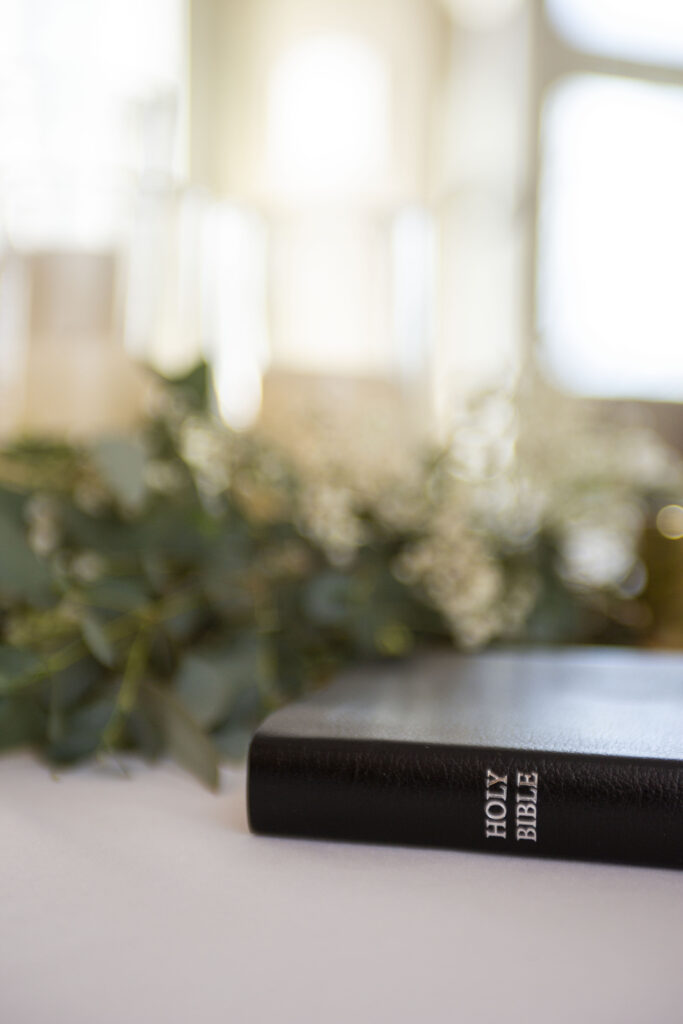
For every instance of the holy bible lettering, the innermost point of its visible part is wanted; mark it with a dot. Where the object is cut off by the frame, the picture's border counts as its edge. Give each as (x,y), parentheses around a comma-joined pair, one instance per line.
(526,805)
(496,805)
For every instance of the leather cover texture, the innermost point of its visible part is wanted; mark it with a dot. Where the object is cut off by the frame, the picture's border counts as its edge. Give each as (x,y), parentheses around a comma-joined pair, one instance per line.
(560,753)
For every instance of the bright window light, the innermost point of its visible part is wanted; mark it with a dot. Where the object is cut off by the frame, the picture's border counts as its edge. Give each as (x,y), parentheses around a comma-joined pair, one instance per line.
(328,116)
(610,310)
(235,325)
(412,254)
(644,30)
(330,293)
(86,102)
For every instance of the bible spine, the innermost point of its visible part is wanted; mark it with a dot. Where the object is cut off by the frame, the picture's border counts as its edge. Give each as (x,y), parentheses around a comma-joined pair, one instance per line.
(542,804)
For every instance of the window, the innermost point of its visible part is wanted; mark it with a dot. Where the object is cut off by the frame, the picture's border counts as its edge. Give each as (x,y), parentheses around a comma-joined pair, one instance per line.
(328,117)
(611,231)
(609,310)
(78,120)
(328,149)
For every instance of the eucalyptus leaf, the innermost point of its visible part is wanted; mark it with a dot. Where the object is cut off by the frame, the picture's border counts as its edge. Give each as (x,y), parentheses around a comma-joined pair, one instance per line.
(233,742)
(183,532)
(17,665)
(73,685)
(118,593)
(183,738)
(97,641)
(21,722)
(82,731)
(145,733)
(211,680)
(204,689)
(232,739)
(122,461)
(182,626)
(107,534)
(12,506)
(23,575)
(328,598)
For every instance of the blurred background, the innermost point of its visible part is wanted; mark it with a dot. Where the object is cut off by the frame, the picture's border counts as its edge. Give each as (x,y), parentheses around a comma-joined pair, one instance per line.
(409,201)
(329,329)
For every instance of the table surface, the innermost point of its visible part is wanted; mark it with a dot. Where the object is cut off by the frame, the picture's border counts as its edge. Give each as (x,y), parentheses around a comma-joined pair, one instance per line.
(145,899)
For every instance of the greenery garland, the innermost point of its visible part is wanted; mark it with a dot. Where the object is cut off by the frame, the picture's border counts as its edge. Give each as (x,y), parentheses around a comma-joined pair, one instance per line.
(161,593)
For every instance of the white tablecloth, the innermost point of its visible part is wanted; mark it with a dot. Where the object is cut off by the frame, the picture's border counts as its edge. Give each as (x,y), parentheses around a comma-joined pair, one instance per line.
(147,900)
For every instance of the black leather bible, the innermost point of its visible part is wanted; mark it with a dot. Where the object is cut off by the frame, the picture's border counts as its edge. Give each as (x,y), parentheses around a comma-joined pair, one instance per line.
(557,753)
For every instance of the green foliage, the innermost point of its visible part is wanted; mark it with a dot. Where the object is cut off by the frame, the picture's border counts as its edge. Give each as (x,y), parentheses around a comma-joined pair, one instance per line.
(161,593)
(142,607)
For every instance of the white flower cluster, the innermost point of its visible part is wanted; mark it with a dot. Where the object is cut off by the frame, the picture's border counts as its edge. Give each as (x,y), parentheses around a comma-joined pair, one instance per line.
(516,469)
